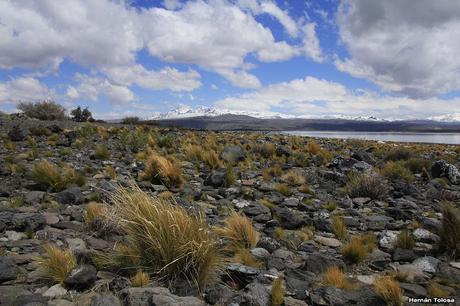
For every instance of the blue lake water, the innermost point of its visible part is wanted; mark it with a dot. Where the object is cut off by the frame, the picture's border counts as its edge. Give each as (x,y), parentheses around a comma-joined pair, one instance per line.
(440,138)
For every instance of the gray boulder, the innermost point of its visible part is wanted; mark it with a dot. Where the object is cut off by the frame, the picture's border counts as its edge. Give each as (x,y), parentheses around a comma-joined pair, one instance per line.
(233,154)
(443,169)
(156,296)
(8,269)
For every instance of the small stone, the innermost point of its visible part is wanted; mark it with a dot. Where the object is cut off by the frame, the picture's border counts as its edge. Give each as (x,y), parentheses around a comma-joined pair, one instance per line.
(361,201)
(388,238)
(455,264)
(15,236)
(260,253)
(51,218)
(8,269)
(56,291)
(427,264)
(81,277)
(76,243)
(330,242)
(424,235)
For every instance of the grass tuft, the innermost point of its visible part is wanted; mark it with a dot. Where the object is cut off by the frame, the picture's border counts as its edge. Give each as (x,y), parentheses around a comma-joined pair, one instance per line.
(363,185)
(450,230)
(140,279)
(339,228)
(389,291)
(278,292)
(56,265)
(397,171)
(284,189)
(357,249)
(293,178)
(336,278)
(405,240)
(162,170)
(238,230)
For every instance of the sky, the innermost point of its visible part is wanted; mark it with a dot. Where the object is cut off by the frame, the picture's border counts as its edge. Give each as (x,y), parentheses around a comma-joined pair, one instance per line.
(393,59)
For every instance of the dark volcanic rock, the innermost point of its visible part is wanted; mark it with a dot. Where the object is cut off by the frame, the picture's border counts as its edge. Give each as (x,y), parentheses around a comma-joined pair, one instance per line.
(8,269)
(443,169)
(233,154)
(81,277)
(215,179)
(319,262)
(71,195)
(156,296)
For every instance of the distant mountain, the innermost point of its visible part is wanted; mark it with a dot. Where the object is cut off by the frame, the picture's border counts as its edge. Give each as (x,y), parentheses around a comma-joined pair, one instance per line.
(205,111)
(454,117)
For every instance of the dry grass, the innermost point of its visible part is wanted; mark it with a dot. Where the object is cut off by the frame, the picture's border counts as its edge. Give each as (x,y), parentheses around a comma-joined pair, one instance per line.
(284,189)
(140,279)
(405,240)
(56,264)
(162,238)
(48,174)
(397,171)
(313,147)
(211,159)
(293,178)
(357,249)
(162,170)
(434,290)
(245,257)
(265,150)
(362,185)
(194,153)
(101,152)
(389,291)
(94,215)
(336,278)
(330,206)
(239,232)
(450,230)
(278,292)
(339,228)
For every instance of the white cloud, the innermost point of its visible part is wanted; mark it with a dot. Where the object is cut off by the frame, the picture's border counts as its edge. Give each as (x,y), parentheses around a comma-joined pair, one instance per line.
(166,78)
(311,46)
(92,87)
(171,4)
(312,97)
(23,89)
(403,47)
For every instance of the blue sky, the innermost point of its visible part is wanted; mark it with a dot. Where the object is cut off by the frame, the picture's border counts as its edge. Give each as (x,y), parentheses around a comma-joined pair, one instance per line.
(298,58)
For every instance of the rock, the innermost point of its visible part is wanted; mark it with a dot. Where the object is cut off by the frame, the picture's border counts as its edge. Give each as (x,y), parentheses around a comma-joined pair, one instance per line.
(27,221)
(291,202)
(51,218)
(387,239)
(15,236)
(256,295)
(298,281)
(70,196)
(9,294)
(215,179)
(413,290)
(330,242)
(338,297)
(260,253)
(378,222)
(427,264)
(105,300)
(156,296)
(81,277)
(233,154)
(366,279)
(75,244)
(119,283)
(218,294)
(404,255)
(289,218)
(241,203)
(446,271)
(269,244)
(241,274)
(378,259)
(318,263)
(443,169)
(56,291)
(289,301)
(361,201)
(8,269)
(424,235)
(34,197)
(412,273)
(258,212)
(60,302)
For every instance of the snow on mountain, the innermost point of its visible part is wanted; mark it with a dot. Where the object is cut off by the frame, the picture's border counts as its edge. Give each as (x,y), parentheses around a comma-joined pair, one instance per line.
(454,117)
(205,111)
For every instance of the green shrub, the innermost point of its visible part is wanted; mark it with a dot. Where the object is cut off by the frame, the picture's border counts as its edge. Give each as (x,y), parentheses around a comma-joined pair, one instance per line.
(365,185)
(450,230)
(397,171)
(45,110)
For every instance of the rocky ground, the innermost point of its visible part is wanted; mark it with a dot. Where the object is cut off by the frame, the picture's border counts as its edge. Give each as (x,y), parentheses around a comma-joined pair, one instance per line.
(313,203)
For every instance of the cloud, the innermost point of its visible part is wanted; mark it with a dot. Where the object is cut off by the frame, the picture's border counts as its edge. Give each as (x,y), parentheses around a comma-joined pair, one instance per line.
(92,87)
(23,89)
(166,78)
(312,97)
(311,46)
(402,47)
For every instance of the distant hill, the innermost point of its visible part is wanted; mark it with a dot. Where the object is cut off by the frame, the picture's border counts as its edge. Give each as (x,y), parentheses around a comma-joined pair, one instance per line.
(244,122)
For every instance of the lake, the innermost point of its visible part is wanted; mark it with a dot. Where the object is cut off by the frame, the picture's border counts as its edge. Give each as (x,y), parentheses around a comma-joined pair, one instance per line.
(440,138)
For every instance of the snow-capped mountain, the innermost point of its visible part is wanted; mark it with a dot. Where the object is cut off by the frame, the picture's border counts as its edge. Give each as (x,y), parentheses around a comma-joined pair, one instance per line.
(454,117)
(205,111)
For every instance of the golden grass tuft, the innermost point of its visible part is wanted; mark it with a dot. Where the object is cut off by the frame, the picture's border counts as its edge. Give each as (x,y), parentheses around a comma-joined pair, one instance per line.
(194,153)
(389,291)
(212,159)
(48,174)
(56,264)
(284,189)
(245,257)
(140,279)
(357,249)
(339,228)
(162,238)
(435,290)
(293,178)
(336,278)
(313,147)
(450,230)
(363,185)
(405,240)
(94,215)
(238,230)
(278,292)
(101,152)
(162,170)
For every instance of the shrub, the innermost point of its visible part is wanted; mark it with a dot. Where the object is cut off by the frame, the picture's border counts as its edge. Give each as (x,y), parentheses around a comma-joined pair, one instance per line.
(417,165)
(101,152)
(161,170)
(365,185)
(339,228)
(396,171)
(398,154)
(284,189)
(45,110)
(239,232)
(162,238)
(293,178)
(140,279)
(389,291)
(165,141)
(133,141)
(80,115)
(278,292)
(130,120)
(336,278)
(405,240)
(56,265)
(265,150)
(271,172)
(49,175)
(450,230)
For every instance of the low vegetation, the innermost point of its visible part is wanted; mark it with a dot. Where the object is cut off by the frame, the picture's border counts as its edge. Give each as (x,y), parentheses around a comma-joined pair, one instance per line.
(389,291)
(140,279)
(56,263)
(397,171)
(450,230)
(161,170)
(339,228)
(45,110)
(278,292)
(239,232)
(357,249)
(365,185)
(336,278)
(49,175)
(405,240)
